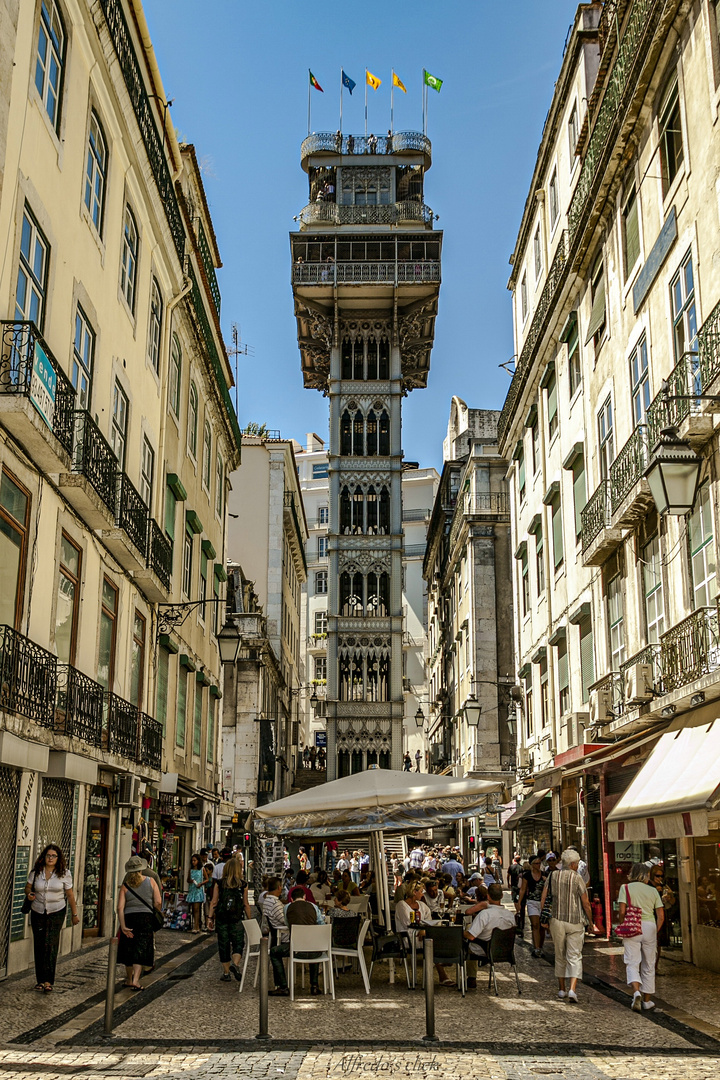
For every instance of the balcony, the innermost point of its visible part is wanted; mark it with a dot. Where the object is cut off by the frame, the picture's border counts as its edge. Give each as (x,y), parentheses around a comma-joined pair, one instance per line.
(37,400)
(91,487)
(128,541)
(401,142)
(151,740)
(709,352)
(78,706)
(691,649)
(155,581)
(630,496)
(366,273)
(399,213)
(28,678)
(599,538)
(416,515)
(681,408)
(121,726)
(414,551)
(290,511)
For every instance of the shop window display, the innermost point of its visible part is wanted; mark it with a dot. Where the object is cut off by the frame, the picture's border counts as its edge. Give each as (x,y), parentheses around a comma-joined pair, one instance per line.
(707,867)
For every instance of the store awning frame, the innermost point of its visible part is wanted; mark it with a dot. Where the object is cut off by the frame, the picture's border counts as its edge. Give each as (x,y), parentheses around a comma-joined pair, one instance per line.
(526,809)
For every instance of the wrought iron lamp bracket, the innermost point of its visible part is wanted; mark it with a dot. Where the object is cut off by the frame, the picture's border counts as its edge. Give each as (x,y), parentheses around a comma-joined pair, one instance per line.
(171,616)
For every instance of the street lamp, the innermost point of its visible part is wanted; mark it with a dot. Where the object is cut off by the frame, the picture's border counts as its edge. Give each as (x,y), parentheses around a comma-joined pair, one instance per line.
(472,709)
(673,474)
(420,717)
(229,643)
(297,690)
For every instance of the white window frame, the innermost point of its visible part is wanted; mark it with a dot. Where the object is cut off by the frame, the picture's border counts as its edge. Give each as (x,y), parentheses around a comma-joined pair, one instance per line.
(702,555)
(653,591)
(82,358)
(96,172)
(33,275)
(119,423)
(219,486)
(553,200)
(50,51)
(321,582)
(147,472)
(207,455)
(606,437)
(155,326)
(537,254)
(129,258)
(640,381)
(192,420)
(616,622)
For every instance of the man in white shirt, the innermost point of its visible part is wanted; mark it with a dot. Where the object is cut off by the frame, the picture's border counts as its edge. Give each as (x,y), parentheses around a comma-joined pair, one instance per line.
(342,863)
(416,858)
(220,864)
(480,932)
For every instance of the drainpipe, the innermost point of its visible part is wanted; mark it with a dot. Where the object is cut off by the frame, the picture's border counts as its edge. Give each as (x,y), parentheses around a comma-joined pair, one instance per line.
(156,83)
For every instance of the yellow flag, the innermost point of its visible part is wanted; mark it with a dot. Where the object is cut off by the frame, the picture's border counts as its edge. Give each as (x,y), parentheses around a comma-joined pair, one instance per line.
(372,80)
(397,82)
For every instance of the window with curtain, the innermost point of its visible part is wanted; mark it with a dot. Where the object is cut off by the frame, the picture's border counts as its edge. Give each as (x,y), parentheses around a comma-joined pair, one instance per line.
(702,550)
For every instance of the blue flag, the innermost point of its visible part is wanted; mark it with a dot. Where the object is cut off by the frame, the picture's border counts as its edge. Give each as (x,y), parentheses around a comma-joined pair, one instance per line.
(347,81)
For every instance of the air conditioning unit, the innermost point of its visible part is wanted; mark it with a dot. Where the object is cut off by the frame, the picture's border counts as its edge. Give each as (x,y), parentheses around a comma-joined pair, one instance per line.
(638,683)
(575,724)
(601,709)
(523,757)
(127,792)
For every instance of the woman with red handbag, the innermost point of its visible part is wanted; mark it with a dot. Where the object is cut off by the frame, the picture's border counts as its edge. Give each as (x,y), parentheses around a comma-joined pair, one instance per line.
(639,907)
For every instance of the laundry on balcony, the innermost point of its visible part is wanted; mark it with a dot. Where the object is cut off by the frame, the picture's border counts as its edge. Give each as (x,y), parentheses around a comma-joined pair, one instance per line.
(676,789)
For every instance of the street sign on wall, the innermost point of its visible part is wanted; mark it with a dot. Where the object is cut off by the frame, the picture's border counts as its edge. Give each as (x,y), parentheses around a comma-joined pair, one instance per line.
(321,738)
(43,385)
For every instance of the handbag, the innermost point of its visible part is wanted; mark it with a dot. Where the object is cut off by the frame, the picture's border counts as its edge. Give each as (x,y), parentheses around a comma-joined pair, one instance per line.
(158,917)
(631,926)
(546,913)
(26,907)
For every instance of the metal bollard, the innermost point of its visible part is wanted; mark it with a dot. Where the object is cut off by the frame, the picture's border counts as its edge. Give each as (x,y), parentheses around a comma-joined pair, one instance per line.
(263,990)
(110,986)
(429,976)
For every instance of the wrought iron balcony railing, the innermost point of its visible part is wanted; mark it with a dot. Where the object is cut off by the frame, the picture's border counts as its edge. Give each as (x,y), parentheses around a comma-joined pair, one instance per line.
(214,356)
(289,504)
(691,649)
(208,266)
(132,514)
(596,514)
(398,143)
(651,654)
(160,554)
(360,273)
(28,677)
(709,348)
(388,214)
(93,458)
(416,515)
(121,725)
(151,738)
(23,359)
(629,466)
(683,382)
(486,502)
(78,705)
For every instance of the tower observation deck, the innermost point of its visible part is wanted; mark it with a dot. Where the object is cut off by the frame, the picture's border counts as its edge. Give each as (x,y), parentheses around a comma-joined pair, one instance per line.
(366,280)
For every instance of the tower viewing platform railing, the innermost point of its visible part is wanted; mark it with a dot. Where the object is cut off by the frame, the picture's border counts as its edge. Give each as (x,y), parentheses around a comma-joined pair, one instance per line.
(359,273)
(330,213)
(400,142)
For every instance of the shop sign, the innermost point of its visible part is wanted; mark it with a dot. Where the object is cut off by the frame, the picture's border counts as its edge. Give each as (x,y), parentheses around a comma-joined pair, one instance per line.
(625,852)
(195,810)
(99,802)
(43,385)
(321,738)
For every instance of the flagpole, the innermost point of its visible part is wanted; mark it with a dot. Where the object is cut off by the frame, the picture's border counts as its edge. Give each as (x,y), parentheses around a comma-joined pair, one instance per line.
(309,92)
(392,99)
(341,90)
(366,86)
(423,101)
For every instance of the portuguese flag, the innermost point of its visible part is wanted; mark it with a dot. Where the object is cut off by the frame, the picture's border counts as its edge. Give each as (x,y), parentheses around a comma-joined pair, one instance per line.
(314,83)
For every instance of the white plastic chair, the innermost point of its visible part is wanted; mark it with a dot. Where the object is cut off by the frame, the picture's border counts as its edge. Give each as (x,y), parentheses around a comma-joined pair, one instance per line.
(357,953)
(311,939)
(253,937)
(361,904)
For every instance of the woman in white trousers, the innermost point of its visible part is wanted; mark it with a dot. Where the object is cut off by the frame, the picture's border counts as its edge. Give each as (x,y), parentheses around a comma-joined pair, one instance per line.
(641,951)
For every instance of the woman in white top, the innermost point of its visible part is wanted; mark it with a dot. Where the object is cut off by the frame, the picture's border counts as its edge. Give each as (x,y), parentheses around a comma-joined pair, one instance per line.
(640,952)
(321,888)
(49,887)
(413,912)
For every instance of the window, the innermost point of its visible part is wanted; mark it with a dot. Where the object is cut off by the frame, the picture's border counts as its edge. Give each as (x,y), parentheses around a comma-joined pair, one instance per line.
(557,533)
(203,585)
(579,491)
(682,294)
(137,662)
(537,250)
(320,669)
(653,590)
(587,659)
(670,133)
(68,599)
(175,376)
(563,677)
(574,364)
(219,485)
(553,199)
(631,231)
(606,439)
(50,59)
(147,472)
(321,583)
(573,130)
(596,325)
(207,455)
(82,358)
(552,405)
(210,748)
(95,172)
(187,563)
(521,473)
(640,381)
(118,431)
(181,707)
(161,704)
(540,562)
(197,722)
(192,421)
(170,505)
(529,723)
(616,622)
(322,548)
(14,516)
(525,582)
(523,298)
(321,622)
(702,550)
(320,472)
(544,693)
(535,444)
(108,634)
(32,273)
(155,326)
(128,269)
(323,515)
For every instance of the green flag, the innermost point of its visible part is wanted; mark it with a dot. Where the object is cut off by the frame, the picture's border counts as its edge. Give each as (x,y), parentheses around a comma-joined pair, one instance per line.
(431,80)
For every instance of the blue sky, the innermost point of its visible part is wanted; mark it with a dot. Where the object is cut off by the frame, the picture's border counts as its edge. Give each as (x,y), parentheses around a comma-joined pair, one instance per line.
(238,74)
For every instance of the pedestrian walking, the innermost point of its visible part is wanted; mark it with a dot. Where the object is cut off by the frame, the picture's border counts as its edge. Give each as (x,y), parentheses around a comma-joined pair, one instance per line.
(407,762)
(138,900)
(49,889)
(196,891)
(313,757)
(355,867)
(418,758)
(570,908)
(640,949)
(531,890)
(228,907)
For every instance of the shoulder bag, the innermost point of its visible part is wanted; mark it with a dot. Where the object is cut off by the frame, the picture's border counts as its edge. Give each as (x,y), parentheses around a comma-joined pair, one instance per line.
(631,926)
(546,913)
(158,917)
(27,902)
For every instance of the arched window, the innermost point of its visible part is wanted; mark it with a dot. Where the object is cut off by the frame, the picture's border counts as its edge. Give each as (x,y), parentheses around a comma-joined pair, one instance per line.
(192,421)
(358,433)
(128,269)
(372,512)
(358,507)
(95,172)
(351,593)
(384,359)
(384,515)
(344,763)
(378,594)
(50,59)
(175,376)
(371,438)
(347,360)
(155,326)
(384,440)
(372,359)
(346,434)
(207,455)
(345,512)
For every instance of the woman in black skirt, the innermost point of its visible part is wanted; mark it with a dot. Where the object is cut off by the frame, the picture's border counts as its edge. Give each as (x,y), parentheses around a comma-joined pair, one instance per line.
(138,896)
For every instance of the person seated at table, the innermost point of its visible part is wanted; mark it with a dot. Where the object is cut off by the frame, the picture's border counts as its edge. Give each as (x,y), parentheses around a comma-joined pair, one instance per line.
(320,889)
(340,910)
(412,913)
(480,932)
(297,913)
(336,880)
(348,884)
(480,900)
(301,882)
(368,886)
(405,886)
(460,883)
(447,887)
(432,897)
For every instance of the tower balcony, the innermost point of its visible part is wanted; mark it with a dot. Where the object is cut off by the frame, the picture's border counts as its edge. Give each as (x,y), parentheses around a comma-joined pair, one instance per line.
(404,143)
(408,212)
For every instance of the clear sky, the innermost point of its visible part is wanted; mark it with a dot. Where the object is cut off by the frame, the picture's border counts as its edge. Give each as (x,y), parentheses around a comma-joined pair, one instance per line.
(238,73)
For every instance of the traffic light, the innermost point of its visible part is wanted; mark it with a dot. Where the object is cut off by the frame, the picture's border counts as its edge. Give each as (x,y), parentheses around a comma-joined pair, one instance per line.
(472,842)
(247,839)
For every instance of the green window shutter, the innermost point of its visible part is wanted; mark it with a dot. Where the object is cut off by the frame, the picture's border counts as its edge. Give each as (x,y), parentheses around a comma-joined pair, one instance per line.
(521,473)
(579,493)
(203,564)
(181,707)
(162,688)
(597,315)
(211,728)
(197,725)
(208,549)
(632,232)
(562,665)
(558,552)
(220,572)
(170,505)
(552,400)
(587,661)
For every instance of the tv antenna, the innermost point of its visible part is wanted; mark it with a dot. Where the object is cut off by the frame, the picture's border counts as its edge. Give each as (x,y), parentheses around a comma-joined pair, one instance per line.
(239,348)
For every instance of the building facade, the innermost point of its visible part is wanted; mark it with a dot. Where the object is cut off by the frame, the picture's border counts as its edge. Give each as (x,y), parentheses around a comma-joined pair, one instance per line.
(615,293)
(469,649)
(366,279)
(114,408)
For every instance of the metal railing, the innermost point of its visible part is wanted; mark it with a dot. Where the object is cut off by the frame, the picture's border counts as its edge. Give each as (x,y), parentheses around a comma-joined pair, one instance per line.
(380,273)
(416,515)
(78,705)
(214,355)
(683,383)
(121,722)
(414,551)
(486,502)
(28,677)
(208,266)
(380,214)
(691,649)
(151,738)
(629,466)
(651,654)
(334,143)
(23,357)
(709,348)
(93,458)
(289,504)
(596,514)
(160,553)
(132,514)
